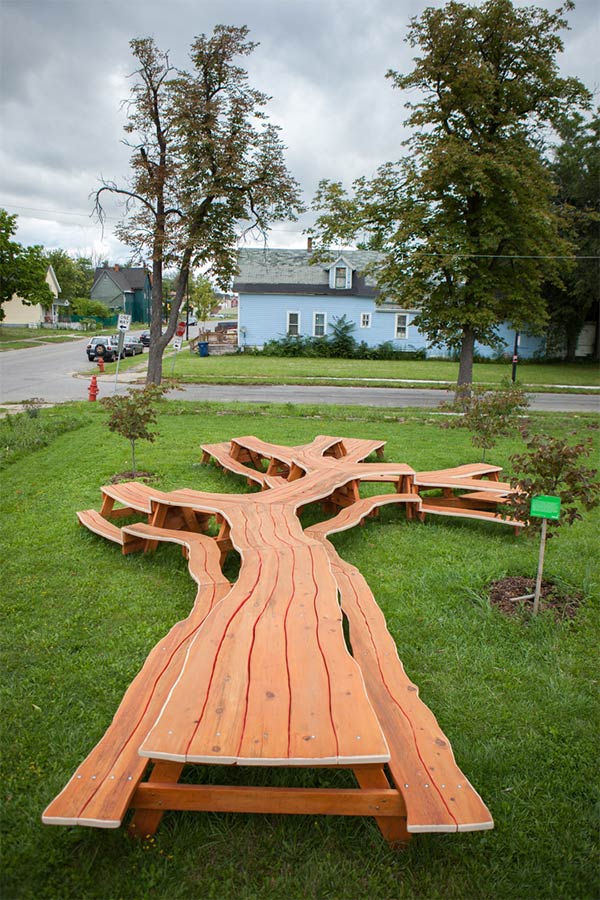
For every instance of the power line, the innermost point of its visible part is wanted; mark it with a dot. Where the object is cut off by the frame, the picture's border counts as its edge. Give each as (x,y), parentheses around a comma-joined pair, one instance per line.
(60,212)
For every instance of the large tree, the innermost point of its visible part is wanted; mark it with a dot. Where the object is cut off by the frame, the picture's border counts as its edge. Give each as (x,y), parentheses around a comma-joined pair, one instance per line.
(575,166)
(22,269)
(206,163)
(75,274)
(465,222)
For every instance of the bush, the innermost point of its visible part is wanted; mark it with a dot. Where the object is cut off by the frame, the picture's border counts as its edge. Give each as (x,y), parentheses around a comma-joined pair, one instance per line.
(486,414)
(341,344)
(132,413)
(23,433)
(552,467)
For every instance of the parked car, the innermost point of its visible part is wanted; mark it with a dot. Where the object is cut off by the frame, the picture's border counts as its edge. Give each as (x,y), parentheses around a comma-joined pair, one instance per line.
(145,338)
(132,345)
(226,326)
(192,320)
(104,346)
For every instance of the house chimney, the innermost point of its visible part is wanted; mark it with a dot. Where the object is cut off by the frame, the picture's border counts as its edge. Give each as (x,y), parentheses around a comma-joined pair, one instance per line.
(309,244)
(116,268)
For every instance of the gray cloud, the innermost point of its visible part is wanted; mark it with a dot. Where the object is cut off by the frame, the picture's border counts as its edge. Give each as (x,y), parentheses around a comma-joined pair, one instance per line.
(64,66)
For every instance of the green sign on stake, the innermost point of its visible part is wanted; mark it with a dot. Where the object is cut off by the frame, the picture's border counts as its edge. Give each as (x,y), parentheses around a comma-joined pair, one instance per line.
(545,507)
(542,508)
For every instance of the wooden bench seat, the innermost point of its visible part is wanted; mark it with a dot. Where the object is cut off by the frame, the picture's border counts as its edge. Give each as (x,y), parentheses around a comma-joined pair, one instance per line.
(100,791)
(443,506)
(357,449)
(221,455)
(467,470)
(437,795)
(455,484)
(95,522)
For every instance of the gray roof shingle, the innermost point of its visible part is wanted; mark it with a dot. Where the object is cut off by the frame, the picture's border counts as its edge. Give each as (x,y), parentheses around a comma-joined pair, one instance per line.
(290,271)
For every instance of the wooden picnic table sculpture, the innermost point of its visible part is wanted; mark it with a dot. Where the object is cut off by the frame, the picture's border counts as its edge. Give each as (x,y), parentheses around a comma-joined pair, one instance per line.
(260,674)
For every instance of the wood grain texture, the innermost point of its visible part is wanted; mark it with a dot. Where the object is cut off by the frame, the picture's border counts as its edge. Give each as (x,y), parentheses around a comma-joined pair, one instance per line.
(260,672)
(100,790)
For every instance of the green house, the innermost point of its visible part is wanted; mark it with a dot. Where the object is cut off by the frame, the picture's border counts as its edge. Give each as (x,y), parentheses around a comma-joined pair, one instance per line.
(124,290)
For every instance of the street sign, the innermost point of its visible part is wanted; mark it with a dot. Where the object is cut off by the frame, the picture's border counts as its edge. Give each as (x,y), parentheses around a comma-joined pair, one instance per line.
(177,344)
(180,329)
(545,507)
(124,322)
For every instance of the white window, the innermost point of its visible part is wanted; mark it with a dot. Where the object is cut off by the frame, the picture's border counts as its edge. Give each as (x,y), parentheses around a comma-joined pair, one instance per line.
(401,326)
(340,277)
(365,320)
(293,323)
(319,324)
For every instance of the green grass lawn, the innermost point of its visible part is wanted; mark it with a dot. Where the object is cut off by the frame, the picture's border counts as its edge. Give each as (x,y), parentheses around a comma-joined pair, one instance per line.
(17,338)
(241,368)
(517,698)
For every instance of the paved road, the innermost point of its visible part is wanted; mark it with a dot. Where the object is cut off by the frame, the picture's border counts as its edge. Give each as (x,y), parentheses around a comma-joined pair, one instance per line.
(49,372)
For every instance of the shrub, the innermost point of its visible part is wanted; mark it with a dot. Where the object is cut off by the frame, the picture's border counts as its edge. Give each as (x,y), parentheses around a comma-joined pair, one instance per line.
(486,414)
(132,413)
(552,466)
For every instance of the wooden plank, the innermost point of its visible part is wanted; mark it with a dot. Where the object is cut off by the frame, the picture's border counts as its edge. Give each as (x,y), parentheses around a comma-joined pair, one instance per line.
(438,797)
(100,790)
(435,508)
(289,801)
(212,714)
(93,521)
(472,484)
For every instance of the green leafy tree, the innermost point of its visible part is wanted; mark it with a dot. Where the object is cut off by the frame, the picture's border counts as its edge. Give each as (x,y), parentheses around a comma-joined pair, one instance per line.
(22,269)
(131,415)
(75,274)
(575,166)
(466,224)
(202,296)
(205,163)
(488,415)
(89,309)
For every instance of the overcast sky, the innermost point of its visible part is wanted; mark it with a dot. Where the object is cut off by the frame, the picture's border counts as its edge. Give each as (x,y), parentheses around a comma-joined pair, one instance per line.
(64,67)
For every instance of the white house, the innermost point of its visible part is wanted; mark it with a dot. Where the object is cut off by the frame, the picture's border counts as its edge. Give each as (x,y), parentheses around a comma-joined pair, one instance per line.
(16,312)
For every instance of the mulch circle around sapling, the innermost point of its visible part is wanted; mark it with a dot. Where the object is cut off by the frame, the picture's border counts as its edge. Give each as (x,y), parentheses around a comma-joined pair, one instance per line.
(132,476)
(563,604)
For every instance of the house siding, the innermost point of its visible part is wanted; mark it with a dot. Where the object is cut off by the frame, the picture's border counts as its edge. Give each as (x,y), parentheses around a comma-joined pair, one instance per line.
(263,318)
(135,302)
(16,312)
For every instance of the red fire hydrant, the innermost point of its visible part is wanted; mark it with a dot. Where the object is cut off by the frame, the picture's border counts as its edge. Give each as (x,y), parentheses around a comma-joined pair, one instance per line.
(93,389)
(101,364)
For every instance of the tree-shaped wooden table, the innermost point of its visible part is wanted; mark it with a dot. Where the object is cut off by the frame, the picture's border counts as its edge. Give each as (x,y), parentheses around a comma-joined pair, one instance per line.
(260,673)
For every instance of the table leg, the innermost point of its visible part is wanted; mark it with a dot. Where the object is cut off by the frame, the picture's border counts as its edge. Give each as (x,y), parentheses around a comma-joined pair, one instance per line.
(146,821)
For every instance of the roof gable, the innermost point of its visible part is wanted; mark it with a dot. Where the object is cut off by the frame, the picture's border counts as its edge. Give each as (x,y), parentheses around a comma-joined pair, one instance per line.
(126,279)
(52,281)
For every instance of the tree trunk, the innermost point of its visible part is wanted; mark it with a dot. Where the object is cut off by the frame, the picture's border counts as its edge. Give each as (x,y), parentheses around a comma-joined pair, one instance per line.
(465,367)
(158,340)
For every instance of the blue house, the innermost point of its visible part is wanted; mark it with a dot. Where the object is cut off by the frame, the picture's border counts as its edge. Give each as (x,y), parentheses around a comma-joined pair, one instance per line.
(282,293)
(123,289)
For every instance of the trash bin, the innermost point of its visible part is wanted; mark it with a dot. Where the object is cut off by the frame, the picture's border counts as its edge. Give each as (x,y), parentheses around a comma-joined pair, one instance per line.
(203,348)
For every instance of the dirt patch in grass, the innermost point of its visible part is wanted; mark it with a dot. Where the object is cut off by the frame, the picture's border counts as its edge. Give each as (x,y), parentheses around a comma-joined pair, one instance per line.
(507,593)
(132,476)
